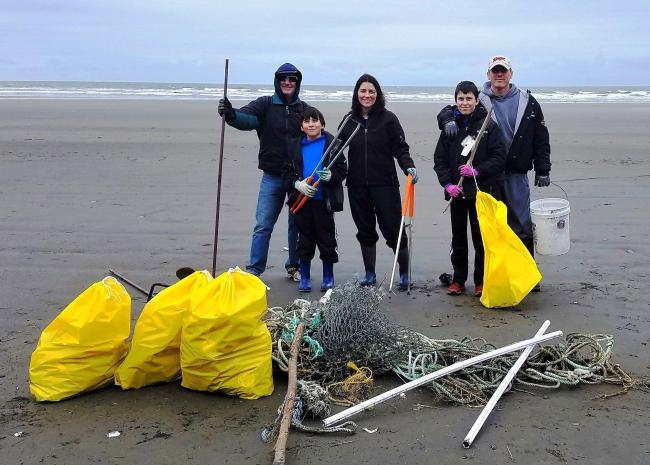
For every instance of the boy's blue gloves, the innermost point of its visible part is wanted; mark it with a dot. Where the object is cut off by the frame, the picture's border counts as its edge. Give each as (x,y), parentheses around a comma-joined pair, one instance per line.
(414,174)
(324,174)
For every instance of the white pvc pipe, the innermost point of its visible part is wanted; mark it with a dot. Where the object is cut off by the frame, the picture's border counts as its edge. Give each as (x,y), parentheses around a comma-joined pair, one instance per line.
(435,375)
(478,424)
(399,242)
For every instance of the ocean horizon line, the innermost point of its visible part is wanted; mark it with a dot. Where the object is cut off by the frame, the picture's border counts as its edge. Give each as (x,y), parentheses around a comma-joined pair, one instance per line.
(230,83)
(310,92)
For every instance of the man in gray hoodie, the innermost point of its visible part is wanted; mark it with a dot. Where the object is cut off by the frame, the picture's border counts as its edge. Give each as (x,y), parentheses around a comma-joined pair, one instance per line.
(523,129)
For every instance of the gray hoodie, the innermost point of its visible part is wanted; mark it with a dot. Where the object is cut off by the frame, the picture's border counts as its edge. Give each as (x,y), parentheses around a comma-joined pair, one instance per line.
(505,111)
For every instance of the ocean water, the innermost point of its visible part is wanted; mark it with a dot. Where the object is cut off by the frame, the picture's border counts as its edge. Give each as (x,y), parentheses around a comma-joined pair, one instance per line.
(184,91)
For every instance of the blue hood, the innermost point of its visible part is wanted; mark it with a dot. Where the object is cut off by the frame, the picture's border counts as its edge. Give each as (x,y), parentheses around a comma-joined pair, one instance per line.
(285,69)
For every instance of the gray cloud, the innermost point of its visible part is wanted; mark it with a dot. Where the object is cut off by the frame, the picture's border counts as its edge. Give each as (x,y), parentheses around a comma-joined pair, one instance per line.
(409,42)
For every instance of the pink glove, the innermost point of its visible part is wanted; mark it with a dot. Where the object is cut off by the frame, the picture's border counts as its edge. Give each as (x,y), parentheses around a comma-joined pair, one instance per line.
(468,171)
(453,190)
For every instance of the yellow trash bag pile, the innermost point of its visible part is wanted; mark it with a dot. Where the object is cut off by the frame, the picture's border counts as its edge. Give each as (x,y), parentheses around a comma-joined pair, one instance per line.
(510,272)
(154,356)
(225,345)
(80,350)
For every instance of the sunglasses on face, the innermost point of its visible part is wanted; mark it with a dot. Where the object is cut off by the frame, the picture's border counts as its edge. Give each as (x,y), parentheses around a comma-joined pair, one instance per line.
(288,78)
(499,69)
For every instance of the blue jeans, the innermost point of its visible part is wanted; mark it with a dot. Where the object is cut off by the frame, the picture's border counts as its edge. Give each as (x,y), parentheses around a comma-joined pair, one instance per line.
(269,205)
(516,196)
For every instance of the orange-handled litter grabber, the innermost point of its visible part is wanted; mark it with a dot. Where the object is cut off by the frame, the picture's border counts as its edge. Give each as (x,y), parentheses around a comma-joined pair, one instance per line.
(333,146)
(407,208)
(411,216)
(302,199)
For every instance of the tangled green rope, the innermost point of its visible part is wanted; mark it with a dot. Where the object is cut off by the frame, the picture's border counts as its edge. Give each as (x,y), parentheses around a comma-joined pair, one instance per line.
(353,327)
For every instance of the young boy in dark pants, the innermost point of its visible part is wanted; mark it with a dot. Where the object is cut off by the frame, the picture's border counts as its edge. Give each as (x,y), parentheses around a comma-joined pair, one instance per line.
(316,218)
(450,163)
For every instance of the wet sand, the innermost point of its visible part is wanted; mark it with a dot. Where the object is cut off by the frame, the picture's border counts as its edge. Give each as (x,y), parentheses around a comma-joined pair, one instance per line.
(90,184)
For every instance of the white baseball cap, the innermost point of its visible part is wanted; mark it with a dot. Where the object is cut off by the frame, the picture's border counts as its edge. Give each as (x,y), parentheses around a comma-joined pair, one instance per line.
(500,60)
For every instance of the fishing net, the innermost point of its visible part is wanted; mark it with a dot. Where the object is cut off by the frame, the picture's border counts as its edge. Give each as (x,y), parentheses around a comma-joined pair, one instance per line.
(353,327)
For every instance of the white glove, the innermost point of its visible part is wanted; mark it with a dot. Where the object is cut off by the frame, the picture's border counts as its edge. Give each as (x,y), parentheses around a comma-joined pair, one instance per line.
(304,188)
(414,174)
(324,175)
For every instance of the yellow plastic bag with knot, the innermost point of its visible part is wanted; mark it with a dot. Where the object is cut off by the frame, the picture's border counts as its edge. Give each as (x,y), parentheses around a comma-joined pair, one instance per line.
(225,345)
(510,272)
(80,350)
(154,356)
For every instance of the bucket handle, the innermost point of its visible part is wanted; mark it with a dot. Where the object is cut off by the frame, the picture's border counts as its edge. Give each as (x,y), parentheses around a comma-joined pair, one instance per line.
(566,196)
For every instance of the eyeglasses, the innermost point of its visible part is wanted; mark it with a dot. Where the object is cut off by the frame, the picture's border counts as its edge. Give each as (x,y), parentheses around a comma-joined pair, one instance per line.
(289,78)
(499,69)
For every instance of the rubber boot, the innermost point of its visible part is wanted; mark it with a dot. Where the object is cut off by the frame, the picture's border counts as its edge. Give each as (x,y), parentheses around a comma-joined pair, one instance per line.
(305,278)
(403,262)
(369,255)
(328,276)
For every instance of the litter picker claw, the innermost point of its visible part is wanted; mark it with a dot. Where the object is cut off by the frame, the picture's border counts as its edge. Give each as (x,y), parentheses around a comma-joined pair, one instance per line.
(336,149)
(408,208)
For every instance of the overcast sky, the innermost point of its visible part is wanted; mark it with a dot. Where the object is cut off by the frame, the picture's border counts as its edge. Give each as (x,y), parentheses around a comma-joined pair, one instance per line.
(551,43)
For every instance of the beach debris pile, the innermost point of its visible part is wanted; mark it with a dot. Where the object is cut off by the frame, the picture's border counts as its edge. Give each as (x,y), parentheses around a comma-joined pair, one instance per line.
(353,327)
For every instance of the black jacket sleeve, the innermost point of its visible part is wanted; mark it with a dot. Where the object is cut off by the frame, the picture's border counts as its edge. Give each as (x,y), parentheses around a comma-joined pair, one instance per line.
(251,115)
(445,115)
(399,147)
(339,170)
(340,167)
(541,146)
(289,172)
(441,161)
(495,160)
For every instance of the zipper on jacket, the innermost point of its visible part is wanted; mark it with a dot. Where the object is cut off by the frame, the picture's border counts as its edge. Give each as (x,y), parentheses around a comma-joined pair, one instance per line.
(365,151)
(286,129)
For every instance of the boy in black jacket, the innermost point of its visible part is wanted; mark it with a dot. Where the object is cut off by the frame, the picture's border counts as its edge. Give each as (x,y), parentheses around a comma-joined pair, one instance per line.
(316,218)
(450,163)
(522,126)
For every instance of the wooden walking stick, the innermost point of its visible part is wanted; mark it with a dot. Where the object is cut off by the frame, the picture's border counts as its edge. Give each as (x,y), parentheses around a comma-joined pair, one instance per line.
(290,398)
(223,130)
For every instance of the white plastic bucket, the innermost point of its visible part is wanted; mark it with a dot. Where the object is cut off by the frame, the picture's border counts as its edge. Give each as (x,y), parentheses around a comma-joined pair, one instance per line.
(551,226)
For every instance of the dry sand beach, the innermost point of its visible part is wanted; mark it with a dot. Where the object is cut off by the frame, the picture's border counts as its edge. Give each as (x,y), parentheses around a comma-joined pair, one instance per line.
(131,184)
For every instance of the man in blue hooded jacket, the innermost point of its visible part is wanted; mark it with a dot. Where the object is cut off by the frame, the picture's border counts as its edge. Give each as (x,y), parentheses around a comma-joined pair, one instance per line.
(277,120)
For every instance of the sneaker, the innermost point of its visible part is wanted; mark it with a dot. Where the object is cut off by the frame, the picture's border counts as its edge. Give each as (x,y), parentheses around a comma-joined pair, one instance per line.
(293,273)
(478,290)
(537,288)
(455,289)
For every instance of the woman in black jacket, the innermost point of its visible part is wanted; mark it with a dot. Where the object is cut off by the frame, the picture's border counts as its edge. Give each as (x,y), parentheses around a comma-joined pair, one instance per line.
(451,162)
(373,185)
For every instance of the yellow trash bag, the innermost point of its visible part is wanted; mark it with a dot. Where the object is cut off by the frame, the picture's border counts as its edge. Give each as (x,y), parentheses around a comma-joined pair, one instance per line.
(225,345)
(510,272)
(81,348)
(154,356)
